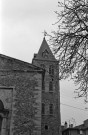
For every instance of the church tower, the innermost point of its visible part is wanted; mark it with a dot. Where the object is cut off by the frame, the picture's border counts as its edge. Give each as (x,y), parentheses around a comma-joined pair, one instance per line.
(50,98)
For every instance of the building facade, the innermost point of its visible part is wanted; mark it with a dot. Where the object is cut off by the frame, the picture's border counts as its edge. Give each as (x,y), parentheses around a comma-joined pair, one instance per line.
(50,102)
(29,95)
(78,130)
(20,97)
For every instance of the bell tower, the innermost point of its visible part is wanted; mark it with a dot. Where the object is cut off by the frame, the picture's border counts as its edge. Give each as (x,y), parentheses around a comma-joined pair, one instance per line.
(50,101)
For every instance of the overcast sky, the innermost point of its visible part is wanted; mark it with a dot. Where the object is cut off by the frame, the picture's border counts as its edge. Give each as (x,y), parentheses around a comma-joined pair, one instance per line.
(22,23)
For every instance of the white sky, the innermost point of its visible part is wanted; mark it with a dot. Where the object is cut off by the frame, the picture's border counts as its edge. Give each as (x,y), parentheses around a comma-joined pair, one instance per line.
(22,23)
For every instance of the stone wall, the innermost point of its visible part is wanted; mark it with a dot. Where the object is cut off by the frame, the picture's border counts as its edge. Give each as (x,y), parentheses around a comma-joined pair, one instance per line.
(20,86)
(52,121)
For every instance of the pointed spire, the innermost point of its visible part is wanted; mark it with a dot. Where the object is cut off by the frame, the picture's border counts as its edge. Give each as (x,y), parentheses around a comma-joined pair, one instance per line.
(44,52)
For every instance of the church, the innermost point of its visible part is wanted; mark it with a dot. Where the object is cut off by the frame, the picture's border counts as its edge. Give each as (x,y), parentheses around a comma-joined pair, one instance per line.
(30,94)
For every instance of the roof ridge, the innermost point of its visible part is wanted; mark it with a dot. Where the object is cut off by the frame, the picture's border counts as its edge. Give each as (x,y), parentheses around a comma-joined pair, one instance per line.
(18,60)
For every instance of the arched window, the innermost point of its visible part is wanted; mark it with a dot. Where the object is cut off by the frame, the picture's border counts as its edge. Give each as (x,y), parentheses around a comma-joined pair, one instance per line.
(43,108)
(50,86)
(50,109)
(51,70)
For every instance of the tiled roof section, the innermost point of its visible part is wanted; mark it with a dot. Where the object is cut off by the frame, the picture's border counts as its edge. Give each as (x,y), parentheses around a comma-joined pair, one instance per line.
(43,51)
(9,63)
(83,126)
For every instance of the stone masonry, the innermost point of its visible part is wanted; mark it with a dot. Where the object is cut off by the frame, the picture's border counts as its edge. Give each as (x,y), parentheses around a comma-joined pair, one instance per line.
(20,86)
(50,122)
(30,95)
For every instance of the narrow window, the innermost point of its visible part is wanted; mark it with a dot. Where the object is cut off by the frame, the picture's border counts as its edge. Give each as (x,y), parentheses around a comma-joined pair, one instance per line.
(43,108)
(51,70)
(51,109)
(43,85)
(50,86)
(46,127)
(43,82)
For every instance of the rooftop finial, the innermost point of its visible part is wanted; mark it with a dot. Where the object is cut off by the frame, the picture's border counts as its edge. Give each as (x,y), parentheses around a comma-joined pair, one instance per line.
(45,33)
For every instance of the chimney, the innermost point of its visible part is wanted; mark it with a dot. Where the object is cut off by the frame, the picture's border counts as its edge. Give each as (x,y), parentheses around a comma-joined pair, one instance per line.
(65,125)
(71,126)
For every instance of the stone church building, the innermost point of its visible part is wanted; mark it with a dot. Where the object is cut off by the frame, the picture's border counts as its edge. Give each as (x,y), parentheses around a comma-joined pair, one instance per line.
(29,94)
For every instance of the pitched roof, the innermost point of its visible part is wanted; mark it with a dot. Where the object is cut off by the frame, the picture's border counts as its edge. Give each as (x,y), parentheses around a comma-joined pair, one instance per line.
(45,50)
(9,63)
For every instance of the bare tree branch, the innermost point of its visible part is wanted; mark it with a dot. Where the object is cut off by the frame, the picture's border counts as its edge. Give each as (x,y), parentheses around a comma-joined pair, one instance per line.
(70,43)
